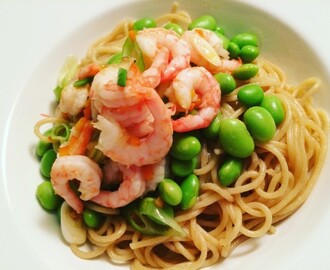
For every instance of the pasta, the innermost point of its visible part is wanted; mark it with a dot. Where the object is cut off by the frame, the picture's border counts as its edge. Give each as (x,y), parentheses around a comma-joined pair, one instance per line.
(276,180)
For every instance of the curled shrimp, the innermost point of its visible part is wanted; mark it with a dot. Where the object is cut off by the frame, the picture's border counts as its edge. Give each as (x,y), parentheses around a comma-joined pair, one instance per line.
(191,82)
(123,104)
(73,99)
(152,40)
(80,168)
(89,70)
(121,146)
(135,181)
(207,51)
(132,186)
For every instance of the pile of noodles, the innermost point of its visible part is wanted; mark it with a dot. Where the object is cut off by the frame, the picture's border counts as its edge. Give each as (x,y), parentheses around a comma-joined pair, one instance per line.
(277,178)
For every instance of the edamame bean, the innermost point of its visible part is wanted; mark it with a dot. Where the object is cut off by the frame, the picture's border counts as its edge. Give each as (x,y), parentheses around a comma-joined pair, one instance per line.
(245,71)
(233,50)
(185,147)
(235,139)
(146,22)
(249,53)
(175,27)
(190,191)
(47,197)
(274,105)
(230,170)
(244,39)
(42,147)
(260,123)
(250,95)
(220,30)
(170,192)
(46,162)
(205,21)
(92,218)
(226,81)
(182,168)
(212,131)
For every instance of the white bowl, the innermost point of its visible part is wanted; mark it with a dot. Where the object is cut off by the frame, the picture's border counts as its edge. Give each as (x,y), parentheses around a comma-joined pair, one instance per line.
(33,236)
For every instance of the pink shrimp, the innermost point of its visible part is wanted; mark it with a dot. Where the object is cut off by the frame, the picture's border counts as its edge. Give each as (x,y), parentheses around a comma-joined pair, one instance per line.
(117,143)
(153,75)
(132,186)
(152,40)
(196,81)
(123,104)
(135,181)
(79,168)
(89,70)
(73,100)
(207,51)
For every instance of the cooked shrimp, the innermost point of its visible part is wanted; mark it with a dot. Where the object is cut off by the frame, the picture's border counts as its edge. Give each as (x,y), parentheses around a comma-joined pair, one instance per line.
(135,181)
(153,75)
(121,146)
(105,92)
(73,100)
(152,40)
(196,81)
(89,71)
(207,51)
(132,186)
(79,168)
(123,104)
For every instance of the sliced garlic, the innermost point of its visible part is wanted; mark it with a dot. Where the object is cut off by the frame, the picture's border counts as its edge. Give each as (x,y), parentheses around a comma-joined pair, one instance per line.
(73,229)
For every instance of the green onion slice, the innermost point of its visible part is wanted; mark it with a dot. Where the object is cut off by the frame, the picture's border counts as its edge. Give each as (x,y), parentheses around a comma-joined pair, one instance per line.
(122,77)
(83,82)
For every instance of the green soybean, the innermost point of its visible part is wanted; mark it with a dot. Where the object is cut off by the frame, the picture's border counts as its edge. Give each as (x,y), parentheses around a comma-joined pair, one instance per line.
(190,191)
(250,95)
(233,50)
(230,170)
(92,218)
(212,131)
(185,147)
(42,147)
(235,139)
(244,39)
(219,29)
(146,22)
(170,192)
(46,162)
(245,72)
(248,53)
(205,21)
(226,82)
(47,197)
(182,168)
(274,105)
(175,27)
(260,123)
